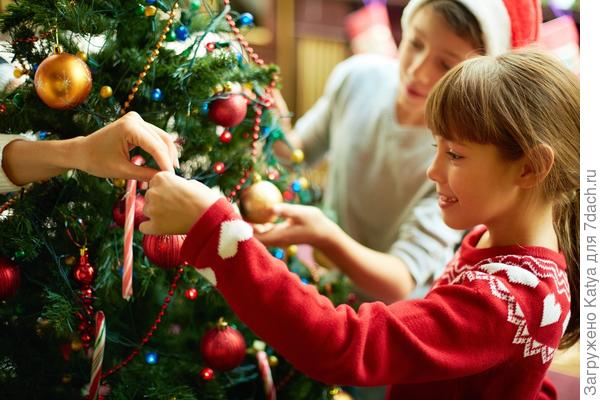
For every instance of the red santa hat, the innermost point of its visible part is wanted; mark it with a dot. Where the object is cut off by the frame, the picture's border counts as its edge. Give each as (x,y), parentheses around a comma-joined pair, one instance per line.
(505,24)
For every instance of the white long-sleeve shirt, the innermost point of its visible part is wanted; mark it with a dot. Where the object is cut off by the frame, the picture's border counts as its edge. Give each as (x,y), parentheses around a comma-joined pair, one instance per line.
(377,184)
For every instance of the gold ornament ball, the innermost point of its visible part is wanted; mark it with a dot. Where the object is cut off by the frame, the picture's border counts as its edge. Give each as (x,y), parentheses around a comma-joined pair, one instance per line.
(119,182)
(106,92)
(341,395)
(150,11)
(297,156)
(17,73)
(273,361)
(292,250)
(76,345)
(257,200)
(66,378)
(63,81)
(303,183)
(70,260)
(82,56)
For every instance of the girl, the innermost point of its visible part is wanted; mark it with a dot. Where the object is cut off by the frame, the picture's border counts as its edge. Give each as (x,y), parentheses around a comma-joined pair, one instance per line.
(506,130)
(371,120)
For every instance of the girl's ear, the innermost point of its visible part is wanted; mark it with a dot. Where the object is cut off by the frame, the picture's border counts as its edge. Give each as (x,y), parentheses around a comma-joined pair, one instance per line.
(536,166)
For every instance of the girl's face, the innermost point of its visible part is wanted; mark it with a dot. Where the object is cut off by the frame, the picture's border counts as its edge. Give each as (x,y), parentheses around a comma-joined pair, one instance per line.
(429,48)
(475,184)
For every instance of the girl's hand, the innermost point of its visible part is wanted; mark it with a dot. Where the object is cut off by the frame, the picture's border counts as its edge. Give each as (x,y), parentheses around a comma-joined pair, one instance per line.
(173,204)
(303,225)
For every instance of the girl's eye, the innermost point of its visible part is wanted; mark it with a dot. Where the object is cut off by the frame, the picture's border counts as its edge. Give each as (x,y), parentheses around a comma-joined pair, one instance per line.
(453,156)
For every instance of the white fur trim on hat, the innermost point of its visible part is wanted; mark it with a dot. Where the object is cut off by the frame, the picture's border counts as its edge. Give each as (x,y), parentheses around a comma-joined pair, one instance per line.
(493,18)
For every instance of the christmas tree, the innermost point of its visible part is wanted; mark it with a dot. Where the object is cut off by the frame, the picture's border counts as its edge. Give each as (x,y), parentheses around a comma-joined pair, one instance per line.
(71,326)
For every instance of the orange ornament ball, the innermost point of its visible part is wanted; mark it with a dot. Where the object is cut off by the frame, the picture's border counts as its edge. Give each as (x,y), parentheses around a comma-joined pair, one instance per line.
(257,201)
(63,81)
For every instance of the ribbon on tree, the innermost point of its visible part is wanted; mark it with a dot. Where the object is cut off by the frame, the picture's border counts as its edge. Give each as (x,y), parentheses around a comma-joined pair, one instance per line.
(97,356)
(130,195)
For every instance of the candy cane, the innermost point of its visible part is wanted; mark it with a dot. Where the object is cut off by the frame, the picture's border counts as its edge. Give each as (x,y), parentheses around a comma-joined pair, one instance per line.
(130,193)
(265,373)
(97,356)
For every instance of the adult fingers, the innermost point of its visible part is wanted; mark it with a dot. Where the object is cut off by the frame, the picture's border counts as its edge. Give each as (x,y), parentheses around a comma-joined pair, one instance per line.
(142,136)
(164,136)
(140,173)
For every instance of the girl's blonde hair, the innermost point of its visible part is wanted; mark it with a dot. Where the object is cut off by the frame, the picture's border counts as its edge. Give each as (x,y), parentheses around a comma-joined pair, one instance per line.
(519,101)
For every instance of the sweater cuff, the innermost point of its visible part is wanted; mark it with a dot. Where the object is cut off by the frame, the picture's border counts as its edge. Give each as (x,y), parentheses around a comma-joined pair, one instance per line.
(205,233)
(5,184)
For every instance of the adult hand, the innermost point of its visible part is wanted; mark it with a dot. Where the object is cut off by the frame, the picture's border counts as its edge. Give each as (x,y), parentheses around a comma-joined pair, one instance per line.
(105,153)
(302,225)
(173,204)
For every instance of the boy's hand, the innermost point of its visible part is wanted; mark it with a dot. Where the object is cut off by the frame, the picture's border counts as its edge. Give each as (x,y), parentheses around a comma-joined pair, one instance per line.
(173,204)
(303,225)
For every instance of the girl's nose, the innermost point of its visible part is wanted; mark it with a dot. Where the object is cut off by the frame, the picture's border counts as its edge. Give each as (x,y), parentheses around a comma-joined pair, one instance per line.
(434,172)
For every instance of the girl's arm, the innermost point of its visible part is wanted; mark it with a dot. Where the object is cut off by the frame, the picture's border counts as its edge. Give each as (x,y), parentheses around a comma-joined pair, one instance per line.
(411,341)
(431,339)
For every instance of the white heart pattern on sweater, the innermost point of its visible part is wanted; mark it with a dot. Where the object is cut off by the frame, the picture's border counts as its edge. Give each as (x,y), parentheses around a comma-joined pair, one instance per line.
(514,274)
(552,310)
(232,232)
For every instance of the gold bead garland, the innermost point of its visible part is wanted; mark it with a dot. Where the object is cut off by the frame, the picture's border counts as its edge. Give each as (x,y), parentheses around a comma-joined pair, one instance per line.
(150,59)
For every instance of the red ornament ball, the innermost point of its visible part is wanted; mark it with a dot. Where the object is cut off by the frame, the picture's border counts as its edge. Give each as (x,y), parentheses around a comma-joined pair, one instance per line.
(207,374)
(119,212)
(163,250)
(228,111)
(226,137)
(219,167)
(84,273)
(223,348)
(10,278)
(191,294)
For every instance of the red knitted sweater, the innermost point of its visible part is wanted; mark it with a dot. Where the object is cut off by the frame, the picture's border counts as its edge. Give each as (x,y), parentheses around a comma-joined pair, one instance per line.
(488,329)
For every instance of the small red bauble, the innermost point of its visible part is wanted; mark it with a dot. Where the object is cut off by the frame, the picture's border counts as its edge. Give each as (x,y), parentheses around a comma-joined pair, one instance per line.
(119,212)
(191,294)
(223,348)
(219,167)
(226,137)
(163,250)
(84,274)
(228,111)
(207,374)
(10,278)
